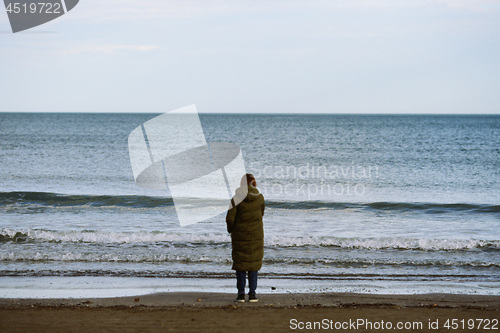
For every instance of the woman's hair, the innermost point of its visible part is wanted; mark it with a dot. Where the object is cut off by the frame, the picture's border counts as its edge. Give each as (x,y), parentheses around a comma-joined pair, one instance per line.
(248,179)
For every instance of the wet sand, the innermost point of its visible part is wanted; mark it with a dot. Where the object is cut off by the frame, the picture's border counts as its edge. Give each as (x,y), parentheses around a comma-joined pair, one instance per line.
(217,312)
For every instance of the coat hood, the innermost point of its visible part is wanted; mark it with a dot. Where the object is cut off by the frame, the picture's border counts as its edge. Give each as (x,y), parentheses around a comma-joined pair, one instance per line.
(247,194)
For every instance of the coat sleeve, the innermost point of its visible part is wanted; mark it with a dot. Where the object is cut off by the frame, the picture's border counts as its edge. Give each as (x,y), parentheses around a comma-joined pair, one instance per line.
(263,207)
(230,217)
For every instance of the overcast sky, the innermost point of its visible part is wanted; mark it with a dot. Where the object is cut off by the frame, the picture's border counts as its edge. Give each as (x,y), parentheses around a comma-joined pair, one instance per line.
(310,56)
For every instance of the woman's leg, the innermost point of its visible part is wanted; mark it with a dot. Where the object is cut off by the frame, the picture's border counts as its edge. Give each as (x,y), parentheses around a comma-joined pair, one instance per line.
(252,282)
(240,282)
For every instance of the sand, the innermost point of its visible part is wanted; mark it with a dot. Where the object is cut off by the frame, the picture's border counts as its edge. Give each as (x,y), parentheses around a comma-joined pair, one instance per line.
(217,312)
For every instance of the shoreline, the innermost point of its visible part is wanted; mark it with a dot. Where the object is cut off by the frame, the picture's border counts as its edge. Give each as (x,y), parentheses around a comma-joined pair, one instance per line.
(280,300)
(87,287)
(217,312)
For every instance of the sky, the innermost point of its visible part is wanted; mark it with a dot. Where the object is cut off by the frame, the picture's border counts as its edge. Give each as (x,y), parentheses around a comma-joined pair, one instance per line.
(256,56)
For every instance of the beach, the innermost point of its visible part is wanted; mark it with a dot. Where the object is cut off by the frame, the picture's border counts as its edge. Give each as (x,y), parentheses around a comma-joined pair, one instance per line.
(217,312)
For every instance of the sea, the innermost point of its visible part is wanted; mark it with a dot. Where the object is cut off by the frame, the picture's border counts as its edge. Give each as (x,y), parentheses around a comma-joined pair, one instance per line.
(382,204)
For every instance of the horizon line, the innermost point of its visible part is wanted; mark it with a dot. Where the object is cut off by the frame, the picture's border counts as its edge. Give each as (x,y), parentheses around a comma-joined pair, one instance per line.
(260,113)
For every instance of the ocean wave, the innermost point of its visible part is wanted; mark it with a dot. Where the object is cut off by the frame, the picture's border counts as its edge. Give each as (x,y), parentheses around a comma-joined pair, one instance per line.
(67,200)
(106,237)
(46,199)
(189,274)
(386,243)
(189,259)
(107,257)
(275,241)
(430,208)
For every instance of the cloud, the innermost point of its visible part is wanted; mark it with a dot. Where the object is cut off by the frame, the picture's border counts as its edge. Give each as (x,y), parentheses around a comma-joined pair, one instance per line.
(128,9)
(475,5)
(112,10)
(109,49)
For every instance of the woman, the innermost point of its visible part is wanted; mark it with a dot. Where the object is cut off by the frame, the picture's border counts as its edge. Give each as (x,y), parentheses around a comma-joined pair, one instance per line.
(244,223)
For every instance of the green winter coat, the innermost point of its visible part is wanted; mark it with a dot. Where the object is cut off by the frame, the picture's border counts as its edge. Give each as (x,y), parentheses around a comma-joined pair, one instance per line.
(244,223)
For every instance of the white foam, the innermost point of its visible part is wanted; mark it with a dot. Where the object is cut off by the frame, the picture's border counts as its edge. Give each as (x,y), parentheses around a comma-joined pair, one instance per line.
(108,237)
(108,257)
(383,243)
